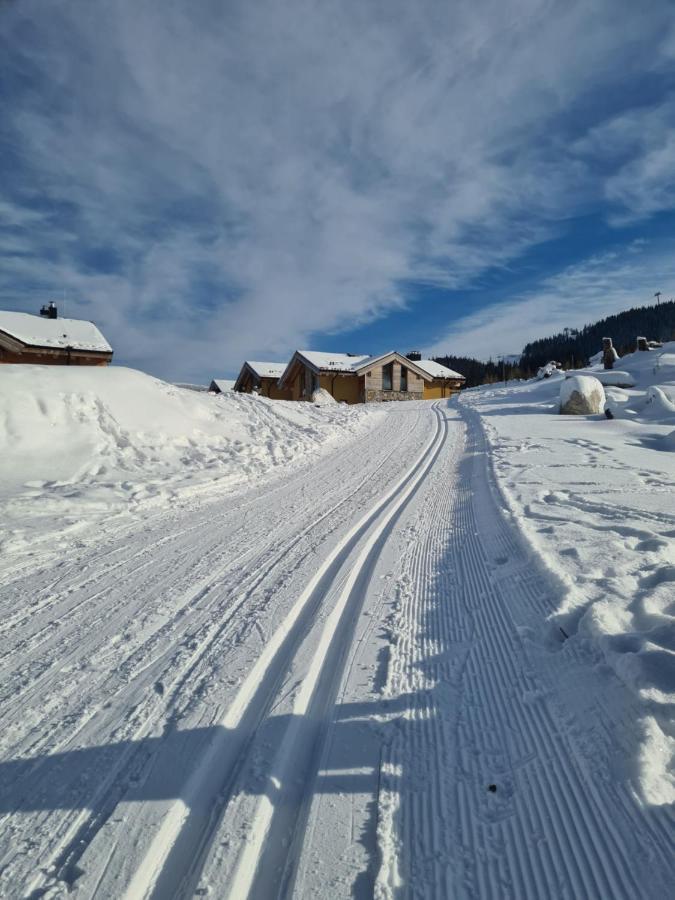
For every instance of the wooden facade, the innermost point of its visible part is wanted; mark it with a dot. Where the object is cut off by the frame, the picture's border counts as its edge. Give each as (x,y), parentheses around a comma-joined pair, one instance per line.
(360,379)
(255,378)
(393,378)
(15,351)
(440,388)
(47,340)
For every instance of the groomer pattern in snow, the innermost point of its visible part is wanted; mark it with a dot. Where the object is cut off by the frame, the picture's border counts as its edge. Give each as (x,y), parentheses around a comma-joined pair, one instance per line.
(423,658)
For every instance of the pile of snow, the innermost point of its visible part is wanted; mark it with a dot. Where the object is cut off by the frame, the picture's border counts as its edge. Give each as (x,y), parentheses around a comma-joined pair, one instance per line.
(595,499)
(581,395)
(321,397)
(608,377)
(548,370)
(191,387)
(81,443)
(651,398)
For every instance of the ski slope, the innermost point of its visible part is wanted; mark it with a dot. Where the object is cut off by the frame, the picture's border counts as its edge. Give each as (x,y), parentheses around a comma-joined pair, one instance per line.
(308,688)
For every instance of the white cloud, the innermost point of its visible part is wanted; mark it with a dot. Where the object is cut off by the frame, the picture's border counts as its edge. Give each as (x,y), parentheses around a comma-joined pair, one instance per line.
(577,296)
(262,171)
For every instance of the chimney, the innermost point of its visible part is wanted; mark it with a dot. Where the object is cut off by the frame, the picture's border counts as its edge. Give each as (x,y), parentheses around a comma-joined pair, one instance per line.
(49,311)
(414,356)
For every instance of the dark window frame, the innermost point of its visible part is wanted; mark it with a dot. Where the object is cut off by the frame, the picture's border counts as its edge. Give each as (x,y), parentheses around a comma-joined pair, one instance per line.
(388,376)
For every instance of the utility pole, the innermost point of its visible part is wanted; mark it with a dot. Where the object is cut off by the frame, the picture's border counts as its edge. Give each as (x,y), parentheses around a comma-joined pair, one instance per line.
(658,297)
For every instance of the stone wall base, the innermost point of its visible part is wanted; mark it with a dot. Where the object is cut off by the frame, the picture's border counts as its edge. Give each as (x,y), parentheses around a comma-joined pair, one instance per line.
(384,396)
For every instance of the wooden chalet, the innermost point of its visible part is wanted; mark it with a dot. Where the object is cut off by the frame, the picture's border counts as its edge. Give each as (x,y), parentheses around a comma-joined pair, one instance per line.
(48,340)
(444,381)
(222,386)
(262,378)
(366,379)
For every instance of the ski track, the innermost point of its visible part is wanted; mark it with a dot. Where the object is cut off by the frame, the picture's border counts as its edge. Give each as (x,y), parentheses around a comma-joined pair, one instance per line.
(161,642)
(271,649)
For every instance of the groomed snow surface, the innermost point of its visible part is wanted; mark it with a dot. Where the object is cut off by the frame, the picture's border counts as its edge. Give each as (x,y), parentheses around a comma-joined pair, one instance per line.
(262,649)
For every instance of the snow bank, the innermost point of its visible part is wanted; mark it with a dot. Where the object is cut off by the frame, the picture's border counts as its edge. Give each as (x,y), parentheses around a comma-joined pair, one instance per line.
(321,397)
(611,377)
(80,443)
(595,499)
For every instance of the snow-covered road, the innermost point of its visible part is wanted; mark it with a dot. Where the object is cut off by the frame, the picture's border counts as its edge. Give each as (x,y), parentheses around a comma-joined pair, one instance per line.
(308,690)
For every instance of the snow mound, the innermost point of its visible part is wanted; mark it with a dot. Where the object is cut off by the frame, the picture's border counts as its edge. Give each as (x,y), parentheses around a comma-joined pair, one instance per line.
(608,377)
(581,395)
(82,442)
(547,371)
(321,397)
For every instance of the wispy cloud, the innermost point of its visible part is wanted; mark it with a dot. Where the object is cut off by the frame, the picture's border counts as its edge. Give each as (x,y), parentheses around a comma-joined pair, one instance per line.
(577,296)
(216,180)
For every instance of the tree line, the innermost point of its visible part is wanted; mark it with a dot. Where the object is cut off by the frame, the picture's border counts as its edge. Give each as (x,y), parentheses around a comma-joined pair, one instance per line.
(572,347)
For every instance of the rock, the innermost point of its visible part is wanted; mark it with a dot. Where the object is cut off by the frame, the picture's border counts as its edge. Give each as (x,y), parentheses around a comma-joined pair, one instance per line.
(581,395)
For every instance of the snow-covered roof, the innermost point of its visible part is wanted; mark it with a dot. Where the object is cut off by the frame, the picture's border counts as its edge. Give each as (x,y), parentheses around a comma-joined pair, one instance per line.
(224,384)
(334,362)
(266,369)
(436,370)
(38,331)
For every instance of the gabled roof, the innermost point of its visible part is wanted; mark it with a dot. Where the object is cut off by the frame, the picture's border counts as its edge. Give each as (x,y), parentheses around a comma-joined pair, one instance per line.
(222,384)
(266,369)
(259,370)
(38,331)
(331,362)
(436,370)
(391,355)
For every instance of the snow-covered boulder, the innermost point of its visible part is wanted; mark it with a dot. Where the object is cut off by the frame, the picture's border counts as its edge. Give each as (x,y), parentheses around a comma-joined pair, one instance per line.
(551,368)
(613,377)
(581,395)
(321,397)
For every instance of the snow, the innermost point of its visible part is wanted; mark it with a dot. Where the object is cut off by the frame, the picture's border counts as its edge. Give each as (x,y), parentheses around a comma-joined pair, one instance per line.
(436,370)
(609,377)
(39,331)
(596,500)
(334,362)
(267,369)
(79,444)
(321,397)
(308,651)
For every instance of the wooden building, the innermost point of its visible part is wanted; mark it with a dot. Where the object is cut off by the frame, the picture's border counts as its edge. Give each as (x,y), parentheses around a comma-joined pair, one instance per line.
(222,386)
(262,378)
(444,382)
(49,340)
(362,379)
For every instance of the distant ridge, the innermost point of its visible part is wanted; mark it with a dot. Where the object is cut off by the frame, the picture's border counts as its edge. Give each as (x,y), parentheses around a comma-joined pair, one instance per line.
(572,348)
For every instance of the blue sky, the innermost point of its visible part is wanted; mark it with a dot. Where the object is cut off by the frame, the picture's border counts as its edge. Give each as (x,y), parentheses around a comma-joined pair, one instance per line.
(215,181)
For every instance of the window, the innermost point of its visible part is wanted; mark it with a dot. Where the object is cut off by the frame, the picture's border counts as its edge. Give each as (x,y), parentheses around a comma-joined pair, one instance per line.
(388,377)
(404,378)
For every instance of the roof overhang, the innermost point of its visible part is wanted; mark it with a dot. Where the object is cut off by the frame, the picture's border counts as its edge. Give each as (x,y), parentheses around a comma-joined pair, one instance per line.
(16,345)
(299,359)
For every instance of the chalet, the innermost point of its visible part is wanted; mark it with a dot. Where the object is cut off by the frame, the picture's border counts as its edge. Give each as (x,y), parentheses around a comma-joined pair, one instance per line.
(221,386)
(262,378)
(444,382)
(48,340)
(365,379)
